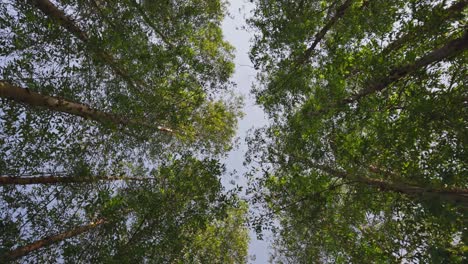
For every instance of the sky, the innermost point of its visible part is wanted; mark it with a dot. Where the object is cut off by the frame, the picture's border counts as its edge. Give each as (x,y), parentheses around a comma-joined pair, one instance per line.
(234,33)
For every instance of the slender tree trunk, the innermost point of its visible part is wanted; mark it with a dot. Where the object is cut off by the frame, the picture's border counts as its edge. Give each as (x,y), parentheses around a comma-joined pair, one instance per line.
(13,180)
(28,97)
(47,241)
(301,60)
(148,21)
(340,11)
(54,13)
(450,12)
(449,50)
(455,196)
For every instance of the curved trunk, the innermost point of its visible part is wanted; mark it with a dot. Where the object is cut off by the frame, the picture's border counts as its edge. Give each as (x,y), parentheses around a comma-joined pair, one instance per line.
(449,50)
(457,196)
(28,97)
(450,12)
(47,241)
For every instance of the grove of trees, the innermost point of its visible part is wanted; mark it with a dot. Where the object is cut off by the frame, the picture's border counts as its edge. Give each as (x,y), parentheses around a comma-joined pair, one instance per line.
(365,160)
(115,117)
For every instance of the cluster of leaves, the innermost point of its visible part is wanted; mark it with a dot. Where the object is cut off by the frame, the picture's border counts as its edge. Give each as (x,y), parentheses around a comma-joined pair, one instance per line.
(365,160)
(104,107)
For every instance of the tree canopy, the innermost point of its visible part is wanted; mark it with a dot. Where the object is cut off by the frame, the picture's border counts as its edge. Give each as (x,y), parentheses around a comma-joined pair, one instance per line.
(365,157)
(115,117)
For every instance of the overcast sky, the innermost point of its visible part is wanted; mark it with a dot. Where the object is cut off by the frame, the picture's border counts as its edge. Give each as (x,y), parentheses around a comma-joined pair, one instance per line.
(254,116)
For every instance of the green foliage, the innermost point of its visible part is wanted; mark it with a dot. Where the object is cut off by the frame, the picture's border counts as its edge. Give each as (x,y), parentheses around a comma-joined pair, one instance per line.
(365,107)
(223,241)
(161,65)
(151,221)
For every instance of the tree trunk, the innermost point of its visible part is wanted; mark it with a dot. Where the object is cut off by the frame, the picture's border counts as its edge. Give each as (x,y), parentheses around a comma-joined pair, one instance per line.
(340,11)
(28,97)
(150,23)
(12,180)
(54,13)
(450,12)
(455,196)
(47,241)
(449,50)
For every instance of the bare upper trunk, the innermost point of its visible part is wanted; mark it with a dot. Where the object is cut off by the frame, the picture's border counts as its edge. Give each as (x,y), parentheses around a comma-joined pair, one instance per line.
(13,180)
(340,11)
(455,196)
(447,51)
(28,97)
(450,12)
(47,241)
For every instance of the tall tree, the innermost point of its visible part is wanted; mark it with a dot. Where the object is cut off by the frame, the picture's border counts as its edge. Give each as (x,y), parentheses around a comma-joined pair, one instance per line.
(368,139)
(161,220)
(111,63)
(55,179)
(23,95)
(24,250)
(93,90)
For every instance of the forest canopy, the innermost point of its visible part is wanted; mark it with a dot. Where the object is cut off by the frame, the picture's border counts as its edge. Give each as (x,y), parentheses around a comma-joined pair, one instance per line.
(116,118)
(365,160)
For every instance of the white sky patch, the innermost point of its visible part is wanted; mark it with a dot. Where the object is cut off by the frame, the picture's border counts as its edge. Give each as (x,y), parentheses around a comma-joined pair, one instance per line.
(244,76)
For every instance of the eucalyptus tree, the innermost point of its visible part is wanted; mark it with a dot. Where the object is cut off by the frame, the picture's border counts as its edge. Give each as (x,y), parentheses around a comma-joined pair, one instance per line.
(365,159)
(103,105)
(150,79)
(166,220)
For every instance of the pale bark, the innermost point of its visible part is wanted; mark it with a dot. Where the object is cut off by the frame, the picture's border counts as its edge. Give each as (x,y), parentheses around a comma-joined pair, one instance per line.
(22,95)
(447,51)
(47,241)
(456,196)
(451,11)
(13,180)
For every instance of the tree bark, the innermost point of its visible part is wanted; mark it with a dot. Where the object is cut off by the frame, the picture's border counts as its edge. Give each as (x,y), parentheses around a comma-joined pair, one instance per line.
(28,97)
(340,11)
(449,50)
(450,12)
(455,196)
(47,241)
(13,180)
(54,13)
